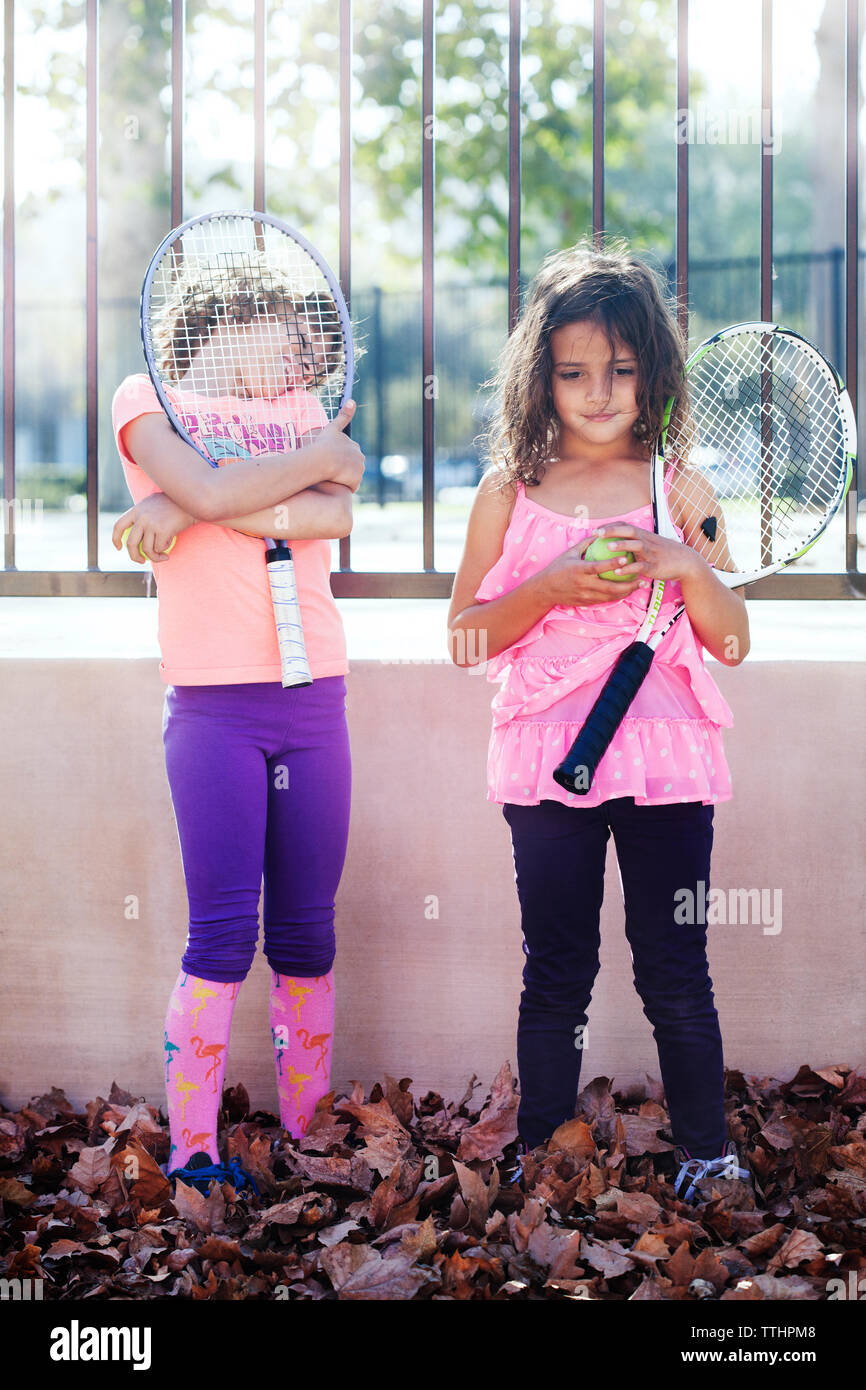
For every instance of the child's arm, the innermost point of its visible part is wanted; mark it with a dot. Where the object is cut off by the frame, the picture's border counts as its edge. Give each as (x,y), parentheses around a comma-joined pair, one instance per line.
(321,512)
(243,486)
(717,614)
(310,515)
(498,623)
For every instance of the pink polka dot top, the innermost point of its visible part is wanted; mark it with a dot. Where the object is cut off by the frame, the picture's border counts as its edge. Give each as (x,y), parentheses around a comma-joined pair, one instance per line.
(669,746)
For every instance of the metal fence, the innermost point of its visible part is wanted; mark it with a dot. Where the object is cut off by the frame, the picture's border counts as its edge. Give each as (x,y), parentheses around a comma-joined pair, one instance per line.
(416,440)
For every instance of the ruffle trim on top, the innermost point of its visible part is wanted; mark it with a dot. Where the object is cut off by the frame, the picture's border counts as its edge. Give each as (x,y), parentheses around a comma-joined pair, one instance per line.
(655,760)
(533,685)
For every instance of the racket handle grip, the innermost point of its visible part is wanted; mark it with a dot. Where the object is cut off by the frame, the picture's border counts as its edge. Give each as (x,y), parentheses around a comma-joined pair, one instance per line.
(578,767)
(287,614)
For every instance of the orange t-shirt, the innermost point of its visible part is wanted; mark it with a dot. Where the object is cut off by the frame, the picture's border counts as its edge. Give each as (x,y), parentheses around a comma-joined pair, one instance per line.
(215,615)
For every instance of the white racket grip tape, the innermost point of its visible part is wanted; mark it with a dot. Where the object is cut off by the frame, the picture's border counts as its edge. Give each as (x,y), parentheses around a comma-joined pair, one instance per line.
(287,614)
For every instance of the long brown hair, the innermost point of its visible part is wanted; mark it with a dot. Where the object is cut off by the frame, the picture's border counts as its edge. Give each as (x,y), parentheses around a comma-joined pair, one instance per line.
(623,296)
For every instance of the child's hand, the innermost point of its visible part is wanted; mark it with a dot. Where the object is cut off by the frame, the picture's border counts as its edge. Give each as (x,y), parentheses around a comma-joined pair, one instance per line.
(655,557)
(575,582)
(344,460)
(154,521)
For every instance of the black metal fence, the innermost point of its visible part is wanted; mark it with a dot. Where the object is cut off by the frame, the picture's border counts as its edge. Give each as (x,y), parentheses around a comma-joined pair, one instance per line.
(416,439)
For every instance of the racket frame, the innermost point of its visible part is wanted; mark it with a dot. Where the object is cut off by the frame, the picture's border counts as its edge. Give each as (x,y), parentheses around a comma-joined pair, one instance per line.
(175,235)
(734,580)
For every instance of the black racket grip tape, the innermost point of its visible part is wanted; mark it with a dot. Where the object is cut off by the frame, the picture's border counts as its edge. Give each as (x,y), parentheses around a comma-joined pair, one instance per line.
(577,769)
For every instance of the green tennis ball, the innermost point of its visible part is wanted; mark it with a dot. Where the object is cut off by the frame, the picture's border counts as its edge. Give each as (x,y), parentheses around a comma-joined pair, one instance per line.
(600,550)
(169,547)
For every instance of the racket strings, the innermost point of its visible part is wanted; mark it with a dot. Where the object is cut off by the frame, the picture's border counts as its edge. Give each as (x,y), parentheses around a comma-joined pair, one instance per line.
(758,451)
(239,308)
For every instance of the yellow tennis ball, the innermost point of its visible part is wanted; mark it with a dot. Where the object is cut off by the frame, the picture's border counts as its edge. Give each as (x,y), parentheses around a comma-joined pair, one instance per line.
(600,550)
(169,547)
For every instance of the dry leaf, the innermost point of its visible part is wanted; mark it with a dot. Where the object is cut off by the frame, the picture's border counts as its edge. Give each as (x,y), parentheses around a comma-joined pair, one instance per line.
(336,1172)
(800,1246)
(399,1097)
(596,1105)
(332,1235)
(576,1136)
(521,1225)
(609,1258)
(205,1213)
(497,1124)
(474,1192)
(93,1167)
(375,1277)
(637,1207)
(14,1192)
(309,1210)
(396,1199)
(641,1133)
(764,1240)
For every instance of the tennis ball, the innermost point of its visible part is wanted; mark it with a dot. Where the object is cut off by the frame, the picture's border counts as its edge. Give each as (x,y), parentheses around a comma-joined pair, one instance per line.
(599,550)
(169,547)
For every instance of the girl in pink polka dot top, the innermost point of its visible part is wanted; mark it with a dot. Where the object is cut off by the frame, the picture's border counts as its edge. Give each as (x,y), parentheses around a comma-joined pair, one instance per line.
(581,392)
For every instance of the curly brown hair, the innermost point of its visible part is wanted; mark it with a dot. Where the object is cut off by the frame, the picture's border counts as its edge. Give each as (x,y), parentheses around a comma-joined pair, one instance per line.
(624,297)
(205,295)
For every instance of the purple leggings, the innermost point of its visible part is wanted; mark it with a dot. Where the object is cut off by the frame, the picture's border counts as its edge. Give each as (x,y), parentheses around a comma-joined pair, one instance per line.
(559,854)
(260,781)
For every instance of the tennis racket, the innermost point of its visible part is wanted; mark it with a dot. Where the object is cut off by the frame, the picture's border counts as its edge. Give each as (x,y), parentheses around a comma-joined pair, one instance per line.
(755,456)
(241,312)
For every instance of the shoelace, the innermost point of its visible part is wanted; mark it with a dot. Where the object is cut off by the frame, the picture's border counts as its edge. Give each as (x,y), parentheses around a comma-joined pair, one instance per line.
(518,1172)
(224,1172)
(698,1168)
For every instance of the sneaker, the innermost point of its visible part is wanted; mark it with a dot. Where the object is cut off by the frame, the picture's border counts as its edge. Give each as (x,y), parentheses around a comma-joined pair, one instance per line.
(697,1177)
(513,1174)
(199,1171)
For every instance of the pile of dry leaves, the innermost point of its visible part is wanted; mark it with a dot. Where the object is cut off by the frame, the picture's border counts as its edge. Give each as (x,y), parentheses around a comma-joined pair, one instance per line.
(391,1197)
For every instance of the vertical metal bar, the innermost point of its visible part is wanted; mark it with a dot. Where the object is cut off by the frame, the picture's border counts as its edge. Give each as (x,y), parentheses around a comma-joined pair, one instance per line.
(428,378)
(598,123)
(178,30)
(345,197)
(852,194)
(682,252)
(766,278)
(837,297)
(767,161)
(346,149)
(259,107)
(514,190)
(378,369)
(92,356)
(9,286)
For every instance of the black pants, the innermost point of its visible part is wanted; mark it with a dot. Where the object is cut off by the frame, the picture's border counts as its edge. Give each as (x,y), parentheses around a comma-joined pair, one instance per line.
(559,854)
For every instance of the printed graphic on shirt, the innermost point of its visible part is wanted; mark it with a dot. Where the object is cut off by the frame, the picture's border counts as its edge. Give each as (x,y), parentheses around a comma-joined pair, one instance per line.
(233,436)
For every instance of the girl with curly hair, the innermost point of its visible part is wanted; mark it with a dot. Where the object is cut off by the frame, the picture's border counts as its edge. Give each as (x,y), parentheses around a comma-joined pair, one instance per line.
(582,387)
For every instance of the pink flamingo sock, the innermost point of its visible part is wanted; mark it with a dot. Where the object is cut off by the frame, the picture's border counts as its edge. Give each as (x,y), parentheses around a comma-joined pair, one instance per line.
(197,1027)
(302,1027)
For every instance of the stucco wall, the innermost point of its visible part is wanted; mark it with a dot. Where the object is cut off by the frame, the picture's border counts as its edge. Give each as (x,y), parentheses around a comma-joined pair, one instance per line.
(88,822)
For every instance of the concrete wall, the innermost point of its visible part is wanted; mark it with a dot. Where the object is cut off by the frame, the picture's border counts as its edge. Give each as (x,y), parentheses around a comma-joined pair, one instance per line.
(88,821)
